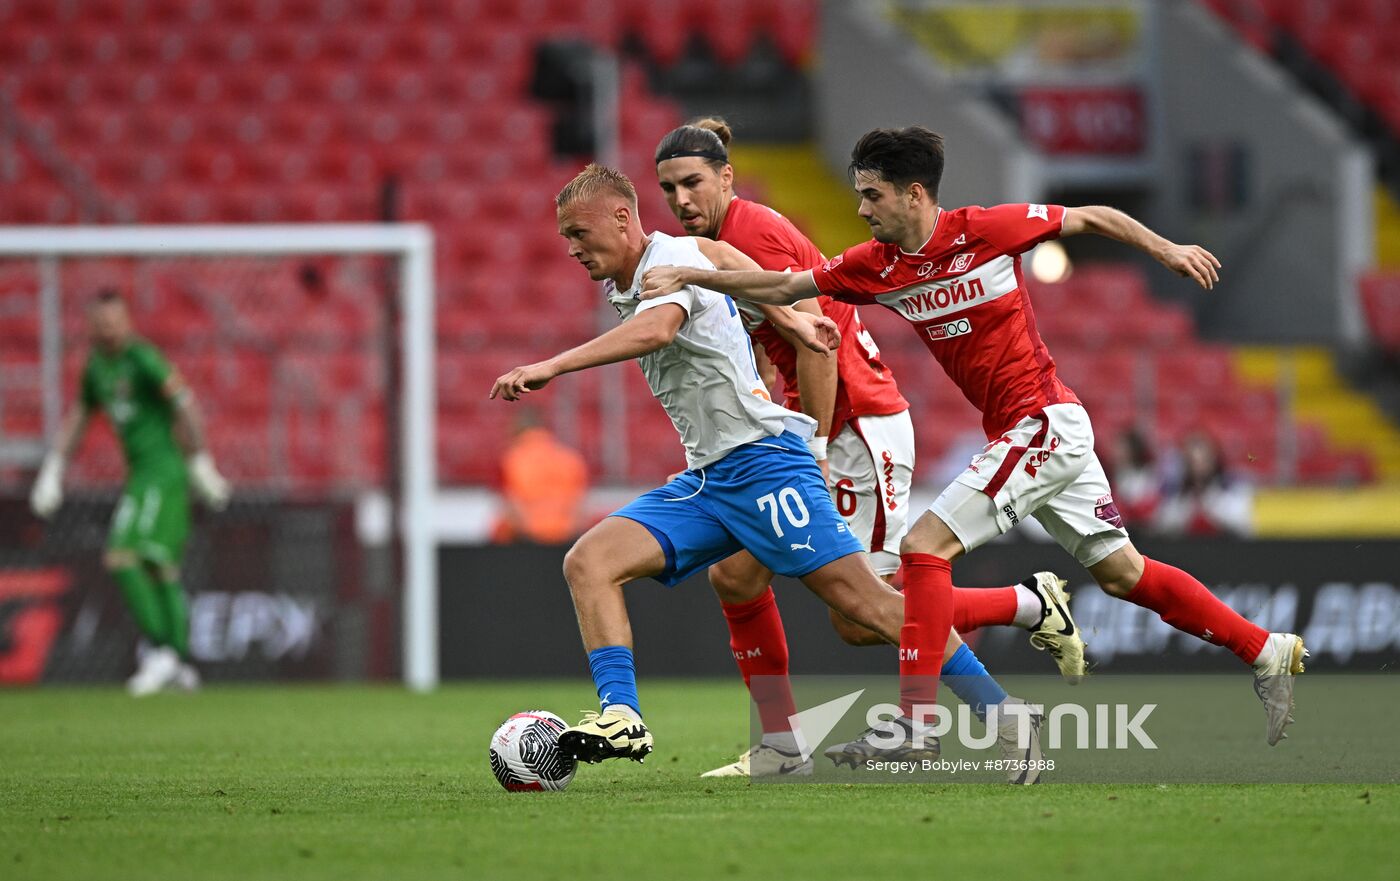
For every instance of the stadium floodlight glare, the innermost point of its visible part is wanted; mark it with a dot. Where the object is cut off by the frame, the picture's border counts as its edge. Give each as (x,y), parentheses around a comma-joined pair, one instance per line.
(411,245)
(1050,263)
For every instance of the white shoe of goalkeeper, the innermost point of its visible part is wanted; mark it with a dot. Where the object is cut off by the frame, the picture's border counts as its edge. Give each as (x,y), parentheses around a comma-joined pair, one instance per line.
(159,668)
(187,680)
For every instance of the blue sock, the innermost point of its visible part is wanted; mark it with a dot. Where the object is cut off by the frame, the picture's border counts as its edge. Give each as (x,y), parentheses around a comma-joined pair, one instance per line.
(615,675)
(971,682)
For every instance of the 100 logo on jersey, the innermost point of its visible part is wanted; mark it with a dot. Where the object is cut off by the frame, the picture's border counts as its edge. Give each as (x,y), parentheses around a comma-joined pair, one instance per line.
(951,329)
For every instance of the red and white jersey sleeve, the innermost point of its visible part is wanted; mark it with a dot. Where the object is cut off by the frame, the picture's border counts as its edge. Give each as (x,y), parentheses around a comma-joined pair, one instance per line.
(965,297)
(854,275)
(1016,228)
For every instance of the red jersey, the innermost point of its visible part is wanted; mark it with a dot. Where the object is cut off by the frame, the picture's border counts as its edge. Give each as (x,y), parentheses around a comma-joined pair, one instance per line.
(864,385)
(966,298)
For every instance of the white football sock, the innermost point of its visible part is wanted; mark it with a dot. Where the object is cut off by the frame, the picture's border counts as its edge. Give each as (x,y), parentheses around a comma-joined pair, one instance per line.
(1030,611)
(1266,654)
(780,740)
(626,711)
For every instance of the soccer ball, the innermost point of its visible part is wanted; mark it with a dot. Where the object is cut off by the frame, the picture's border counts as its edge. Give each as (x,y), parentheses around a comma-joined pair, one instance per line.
(525,754)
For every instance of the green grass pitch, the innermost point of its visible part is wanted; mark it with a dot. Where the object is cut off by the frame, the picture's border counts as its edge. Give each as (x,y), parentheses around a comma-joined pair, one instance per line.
(324,782)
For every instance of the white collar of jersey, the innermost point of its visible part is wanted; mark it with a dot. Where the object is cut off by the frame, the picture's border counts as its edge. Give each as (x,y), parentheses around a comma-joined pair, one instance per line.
(919,253)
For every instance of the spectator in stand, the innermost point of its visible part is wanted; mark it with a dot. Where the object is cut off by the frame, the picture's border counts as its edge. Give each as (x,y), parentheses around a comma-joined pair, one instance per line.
(1205,499)
(1137,484)
(543,482)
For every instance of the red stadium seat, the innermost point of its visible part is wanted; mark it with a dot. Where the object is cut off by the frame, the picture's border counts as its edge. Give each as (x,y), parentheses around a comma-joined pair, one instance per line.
(285,45)
(1339,44)
(1107,286)
(296,109)
(1099,369)
(1320,462)
(1380,299)
(661,26)
(40,204)
(1356,39)
(1200,370)
(1303,16)
(22,44)
(19,329)
(1381,13)
(791,24)
(22,418)
(44,85)
(43,15)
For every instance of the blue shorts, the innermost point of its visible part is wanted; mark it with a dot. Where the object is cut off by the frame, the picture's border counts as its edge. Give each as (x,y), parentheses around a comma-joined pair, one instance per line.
(765,497)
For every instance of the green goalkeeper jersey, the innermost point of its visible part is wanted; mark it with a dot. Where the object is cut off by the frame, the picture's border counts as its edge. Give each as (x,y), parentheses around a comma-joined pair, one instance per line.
(130,388)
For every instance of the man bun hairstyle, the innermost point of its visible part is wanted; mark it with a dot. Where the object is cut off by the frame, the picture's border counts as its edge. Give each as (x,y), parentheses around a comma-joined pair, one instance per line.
(718,125)
(901,156)
(596,180)
(707,138)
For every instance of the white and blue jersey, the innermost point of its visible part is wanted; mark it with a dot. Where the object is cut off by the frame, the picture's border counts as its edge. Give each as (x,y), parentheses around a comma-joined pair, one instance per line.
(752,484)
(706,378)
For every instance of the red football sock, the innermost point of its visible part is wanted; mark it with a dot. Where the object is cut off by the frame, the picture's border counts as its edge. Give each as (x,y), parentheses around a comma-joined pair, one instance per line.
(760,648)
(1189,606)
(975,607)
(928,616)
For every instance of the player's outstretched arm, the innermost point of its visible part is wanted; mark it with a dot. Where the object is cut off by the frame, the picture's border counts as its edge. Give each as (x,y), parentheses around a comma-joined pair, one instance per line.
(47,494)
(1191,261)
(211,486)
(813,332)
(645,332)
(809,330)
(774,288)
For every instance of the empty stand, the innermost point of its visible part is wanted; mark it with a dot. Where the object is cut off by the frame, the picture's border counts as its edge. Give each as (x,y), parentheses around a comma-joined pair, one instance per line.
(298,110)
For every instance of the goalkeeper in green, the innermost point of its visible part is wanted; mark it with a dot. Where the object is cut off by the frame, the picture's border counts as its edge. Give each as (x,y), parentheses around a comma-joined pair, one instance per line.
(162,437)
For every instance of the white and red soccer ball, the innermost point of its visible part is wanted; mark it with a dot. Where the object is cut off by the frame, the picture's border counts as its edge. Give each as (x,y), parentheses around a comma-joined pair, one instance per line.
(525,754)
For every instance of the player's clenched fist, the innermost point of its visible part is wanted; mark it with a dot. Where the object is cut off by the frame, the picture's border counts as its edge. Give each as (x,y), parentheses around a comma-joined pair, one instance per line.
(522,380)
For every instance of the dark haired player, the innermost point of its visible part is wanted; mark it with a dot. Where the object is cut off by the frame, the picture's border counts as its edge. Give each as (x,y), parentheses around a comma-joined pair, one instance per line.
(955,275)
(864,426)
(154,413)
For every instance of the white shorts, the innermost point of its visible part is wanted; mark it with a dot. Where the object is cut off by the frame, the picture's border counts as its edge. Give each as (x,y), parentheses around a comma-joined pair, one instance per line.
(872,466)
(1044,467)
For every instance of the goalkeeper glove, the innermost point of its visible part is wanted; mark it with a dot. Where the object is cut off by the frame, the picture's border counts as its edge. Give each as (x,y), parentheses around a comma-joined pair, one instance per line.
(47,494)
(208,482)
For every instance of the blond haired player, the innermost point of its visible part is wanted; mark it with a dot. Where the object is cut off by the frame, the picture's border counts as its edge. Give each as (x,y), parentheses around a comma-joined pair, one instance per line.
(751,482)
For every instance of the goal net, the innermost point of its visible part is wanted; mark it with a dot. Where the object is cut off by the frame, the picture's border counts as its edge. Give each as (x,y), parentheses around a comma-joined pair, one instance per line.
(310,350)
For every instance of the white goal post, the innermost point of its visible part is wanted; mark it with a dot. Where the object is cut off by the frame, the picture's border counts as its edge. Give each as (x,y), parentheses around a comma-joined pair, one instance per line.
(412,245)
